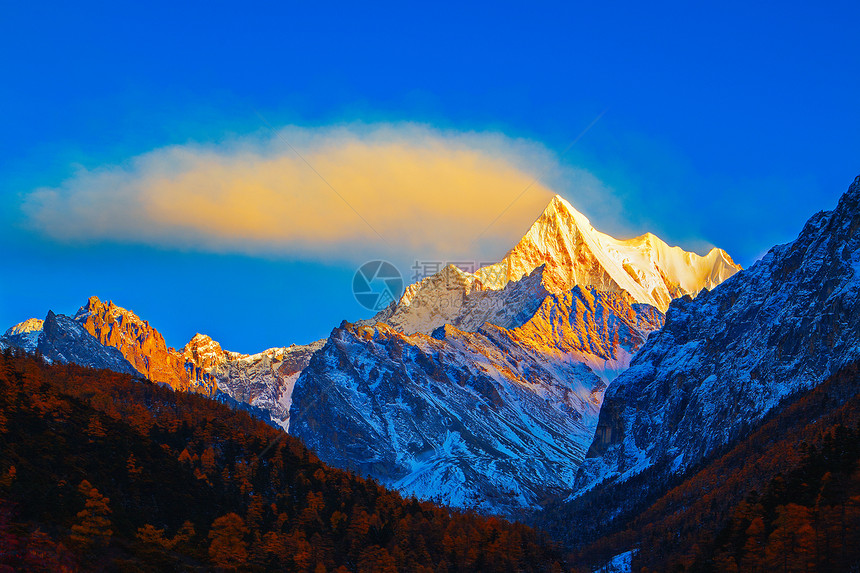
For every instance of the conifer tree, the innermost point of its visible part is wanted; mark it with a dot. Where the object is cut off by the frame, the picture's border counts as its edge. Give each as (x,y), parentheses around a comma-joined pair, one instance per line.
(94,525)
(228,548)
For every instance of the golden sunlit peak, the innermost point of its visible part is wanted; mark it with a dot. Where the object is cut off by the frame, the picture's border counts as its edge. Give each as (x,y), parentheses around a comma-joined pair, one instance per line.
(560,210)
(559,203)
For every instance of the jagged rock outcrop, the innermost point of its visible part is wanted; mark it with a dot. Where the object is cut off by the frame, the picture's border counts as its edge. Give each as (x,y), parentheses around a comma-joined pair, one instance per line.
(725,359)
(142,345)
(64,340)
(497,418)
(205,353)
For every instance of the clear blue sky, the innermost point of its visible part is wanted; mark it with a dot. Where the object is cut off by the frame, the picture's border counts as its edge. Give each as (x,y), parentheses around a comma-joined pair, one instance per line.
(727,124)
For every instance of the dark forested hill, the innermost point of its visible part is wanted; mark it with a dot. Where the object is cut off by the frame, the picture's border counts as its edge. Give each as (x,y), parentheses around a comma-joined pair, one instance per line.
(784,498)
(102,471)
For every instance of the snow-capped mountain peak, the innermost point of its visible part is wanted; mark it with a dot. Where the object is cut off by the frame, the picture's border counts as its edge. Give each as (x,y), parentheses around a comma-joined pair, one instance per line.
(575,253)
(29,325)
(23,335)
(560,250)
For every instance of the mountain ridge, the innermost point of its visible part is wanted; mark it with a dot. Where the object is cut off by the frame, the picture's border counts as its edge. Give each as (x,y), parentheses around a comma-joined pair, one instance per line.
(496,419)
(723,360)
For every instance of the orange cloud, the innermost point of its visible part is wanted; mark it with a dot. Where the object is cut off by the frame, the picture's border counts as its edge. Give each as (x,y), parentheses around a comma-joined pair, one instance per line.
(396,190)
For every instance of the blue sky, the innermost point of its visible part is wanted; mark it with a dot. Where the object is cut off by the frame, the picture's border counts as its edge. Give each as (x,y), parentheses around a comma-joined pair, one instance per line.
(724,125)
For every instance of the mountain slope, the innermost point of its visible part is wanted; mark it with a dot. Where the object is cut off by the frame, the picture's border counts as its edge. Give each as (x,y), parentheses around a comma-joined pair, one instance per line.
(693,517)
(495,419)
(455,297)
(723,360)
(64,340)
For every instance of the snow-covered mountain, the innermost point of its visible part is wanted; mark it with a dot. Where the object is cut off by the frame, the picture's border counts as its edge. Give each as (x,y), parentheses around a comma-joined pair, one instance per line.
(494,411)
(23,335)
(573,253)
(725,359)
(495,419)
(61,339)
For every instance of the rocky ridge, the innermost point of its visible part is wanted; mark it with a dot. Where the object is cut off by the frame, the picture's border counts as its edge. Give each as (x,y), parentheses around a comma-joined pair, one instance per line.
(725,359)
(495,419)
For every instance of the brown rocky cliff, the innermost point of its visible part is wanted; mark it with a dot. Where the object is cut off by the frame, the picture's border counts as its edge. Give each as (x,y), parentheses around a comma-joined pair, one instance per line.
(143,346)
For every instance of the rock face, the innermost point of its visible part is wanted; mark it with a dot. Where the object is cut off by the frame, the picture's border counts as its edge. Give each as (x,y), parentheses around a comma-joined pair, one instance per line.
(264,380)
(495,419)
(143,346)
(454,297)
(723,360)
(64,340)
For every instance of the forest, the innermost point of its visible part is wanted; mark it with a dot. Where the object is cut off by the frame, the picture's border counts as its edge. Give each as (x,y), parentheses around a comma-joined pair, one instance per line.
(785,497)
(105,472)
(102,471)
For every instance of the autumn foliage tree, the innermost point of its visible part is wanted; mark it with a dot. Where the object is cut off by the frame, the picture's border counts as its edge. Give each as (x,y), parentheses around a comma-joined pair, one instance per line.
(94,526)
(228,548)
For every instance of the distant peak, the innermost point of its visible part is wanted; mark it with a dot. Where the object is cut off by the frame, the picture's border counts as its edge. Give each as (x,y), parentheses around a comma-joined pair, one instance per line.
(29,325)
(94,306)
(201,344)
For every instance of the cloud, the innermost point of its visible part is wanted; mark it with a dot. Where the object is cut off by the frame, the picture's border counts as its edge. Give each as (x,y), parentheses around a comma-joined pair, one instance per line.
(399,190)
